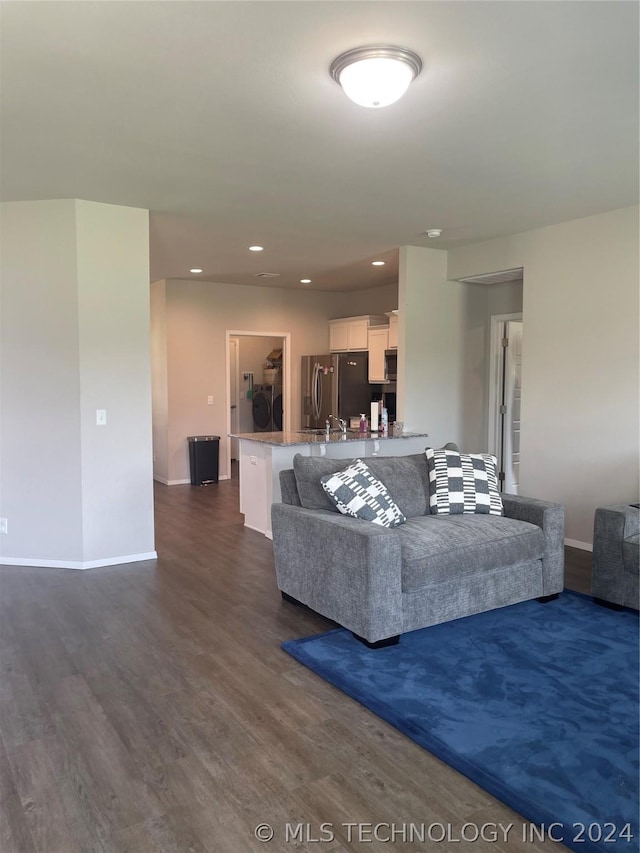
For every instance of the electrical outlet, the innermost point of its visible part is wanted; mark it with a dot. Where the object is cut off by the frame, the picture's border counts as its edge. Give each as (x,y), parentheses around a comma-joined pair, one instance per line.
(253,460)
(4,525)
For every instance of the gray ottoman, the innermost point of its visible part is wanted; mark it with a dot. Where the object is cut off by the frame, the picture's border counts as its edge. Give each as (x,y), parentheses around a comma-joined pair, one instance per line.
(616,555)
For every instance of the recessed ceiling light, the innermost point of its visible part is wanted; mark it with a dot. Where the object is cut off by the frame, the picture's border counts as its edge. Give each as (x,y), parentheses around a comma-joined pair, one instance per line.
(377,263)
(195,270)
(305,281)
(256,248)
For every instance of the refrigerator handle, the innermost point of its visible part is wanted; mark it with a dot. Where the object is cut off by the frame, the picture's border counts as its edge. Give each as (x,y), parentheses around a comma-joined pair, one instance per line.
(316,391)
(313,390)
(319,386)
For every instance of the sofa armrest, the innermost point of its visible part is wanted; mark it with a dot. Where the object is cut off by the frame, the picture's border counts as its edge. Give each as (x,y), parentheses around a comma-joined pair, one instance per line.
(550,517)
(611,526)
(344,568)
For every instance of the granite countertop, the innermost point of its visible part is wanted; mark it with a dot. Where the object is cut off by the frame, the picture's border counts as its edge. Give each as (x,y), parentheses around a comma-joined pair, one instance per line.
(287,439)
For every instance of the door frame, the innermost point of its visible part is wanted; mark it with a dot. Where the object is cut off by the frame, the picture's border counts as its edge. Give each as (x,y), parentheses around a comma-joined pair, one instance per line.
(495,377)
(234,385)
(286,377)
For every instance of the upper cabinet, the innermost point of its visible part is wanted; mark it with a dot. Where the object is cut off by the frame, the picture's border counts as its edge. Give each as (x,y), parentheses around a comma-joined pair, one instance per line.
(352,333)
(393,331)
(378,343)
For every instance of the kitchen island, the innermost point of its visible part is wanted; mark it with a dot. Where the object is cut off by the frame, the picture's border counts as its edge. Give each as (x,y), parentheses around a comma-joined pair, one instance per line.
(262,455)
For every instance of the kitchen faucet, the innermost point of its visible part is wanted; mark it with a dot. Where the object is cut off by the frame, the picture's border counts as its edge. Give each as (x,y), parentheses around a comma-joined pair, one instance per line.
(341,421)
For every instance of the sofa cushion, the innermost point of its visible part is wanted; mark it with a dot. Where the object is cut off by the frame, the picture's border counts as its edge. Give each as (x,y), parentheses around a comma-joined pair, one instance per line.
(406,479)
(355,491)
(438,547)
(462,483)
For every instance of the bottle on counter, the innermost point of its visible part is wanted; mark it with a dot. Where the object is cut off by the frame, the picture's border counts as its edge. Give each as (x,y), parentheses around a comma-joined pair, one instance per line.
(364,426)
(384,421)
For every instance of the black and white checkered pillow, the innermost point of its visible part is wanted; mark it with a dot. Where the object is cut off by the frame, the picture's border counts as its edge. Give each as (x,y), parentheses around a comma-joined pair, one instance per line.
(355,491)
(462,483)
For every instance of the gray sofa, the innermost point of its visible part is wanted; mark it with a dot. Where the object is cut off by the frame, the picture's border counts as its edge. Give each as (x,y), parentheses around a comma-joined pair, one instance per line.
(381,582)
(616,555)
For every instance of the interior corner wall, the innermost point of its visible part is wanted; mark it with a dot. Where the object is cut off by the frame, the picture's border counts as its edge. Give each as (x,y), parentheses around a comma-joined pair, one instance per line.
(75,338)
(441,346)
(581,359)
(159,390)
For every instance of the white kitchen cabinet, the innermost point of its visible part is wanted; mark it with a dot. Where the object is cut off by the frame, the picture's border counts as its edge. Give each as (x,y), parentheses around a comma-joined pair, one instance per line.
(352,333)
(339,335)
(378,343)
(393,331)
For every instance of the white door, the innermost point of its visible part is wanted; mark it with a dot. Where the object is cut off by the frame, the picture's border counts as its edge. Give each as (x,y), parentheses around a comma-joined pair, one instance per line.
(510,409)
(234,419)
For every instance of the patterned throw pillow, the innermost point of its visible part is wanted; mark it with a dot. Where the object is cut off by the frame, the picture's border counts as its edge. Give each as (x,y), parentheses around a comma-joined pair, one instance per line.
(462,483)
(355,491)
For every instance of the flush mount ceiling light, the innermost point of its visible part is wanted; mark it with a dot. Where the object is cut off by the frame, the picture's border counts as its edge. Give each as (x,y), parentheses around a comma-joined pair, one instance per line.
(195,270)
(434,232)
(305,281)
(256,248)
(377,263)
(377,75)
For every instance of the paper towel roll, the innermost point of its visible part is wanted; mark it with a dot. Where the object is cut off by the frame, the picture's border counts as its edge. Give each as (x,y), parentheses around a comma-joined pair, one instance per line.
(375,410)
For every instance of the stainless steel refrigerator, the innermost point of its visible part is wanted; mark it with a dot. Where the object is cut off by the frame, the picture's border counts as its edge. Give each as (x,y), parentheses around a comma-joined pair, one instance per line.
(334,384)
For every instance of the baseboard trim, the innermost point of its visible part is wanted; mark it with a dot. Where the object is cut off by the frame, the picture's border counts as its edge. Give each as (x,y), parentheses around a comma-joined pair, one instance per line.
(184,482)
(575,543)
(266,533)
(77,564)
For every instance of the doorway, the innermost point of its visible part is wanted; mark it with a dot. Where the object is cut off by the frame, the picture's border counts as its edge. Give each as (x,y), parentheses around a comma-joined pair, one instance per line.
(247,356)
(505,398)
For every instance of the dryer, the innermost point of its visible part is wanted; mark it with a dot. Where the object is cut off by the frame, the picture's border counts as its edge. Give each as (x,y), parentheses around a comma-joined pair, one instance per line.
(267,408)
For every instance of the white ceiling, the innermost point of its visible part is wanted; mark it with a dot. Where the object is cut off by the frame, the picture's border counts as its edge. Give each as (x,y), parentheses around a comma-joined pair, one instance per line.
(222,119)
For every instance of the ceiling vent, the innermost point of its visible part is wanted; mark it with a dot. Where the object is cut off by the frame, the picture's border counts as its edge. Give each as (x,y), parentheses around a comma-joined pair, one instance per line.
(267,274)
(495,277)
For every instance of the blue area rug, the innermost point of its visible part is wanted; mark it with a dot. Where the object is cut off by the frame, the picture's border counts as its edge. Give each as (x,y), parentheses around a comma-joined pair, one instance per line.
(537,704)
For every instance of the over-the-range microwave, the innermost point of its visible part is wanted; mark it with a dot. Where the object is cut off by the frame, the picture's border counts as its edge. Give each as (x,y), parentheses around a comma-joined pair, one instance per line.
(391,364)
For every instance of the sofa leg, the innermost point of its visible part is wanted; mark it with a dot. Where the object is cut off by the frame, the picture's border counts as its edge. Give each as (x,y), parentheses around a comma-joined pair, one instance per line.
(291,599)
(610,605)
(545,599)
(380,644)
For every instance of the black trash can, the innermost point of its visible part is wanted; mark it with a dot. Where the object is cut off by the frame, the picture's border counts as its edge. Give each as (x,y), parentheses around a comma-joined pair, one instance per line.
(204,451)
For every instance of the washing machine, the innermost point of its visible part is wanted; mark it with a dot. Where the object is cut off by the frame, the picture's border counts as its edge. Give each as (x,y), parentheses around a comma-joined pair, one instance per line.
(267,408)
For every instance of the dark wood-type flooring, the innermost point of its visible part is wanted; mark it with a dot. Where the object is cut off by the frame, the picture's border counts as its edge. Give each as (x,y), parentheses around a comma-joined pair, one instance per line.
(149,707)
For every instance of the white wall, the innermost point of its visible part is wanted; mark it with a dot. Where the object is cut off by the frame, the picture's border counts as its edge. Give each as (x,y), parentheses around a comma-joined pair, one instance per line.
(75,338)
(441,345)
(580,379)
(40,474)
(159,387)
(375,300)
(115,374)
